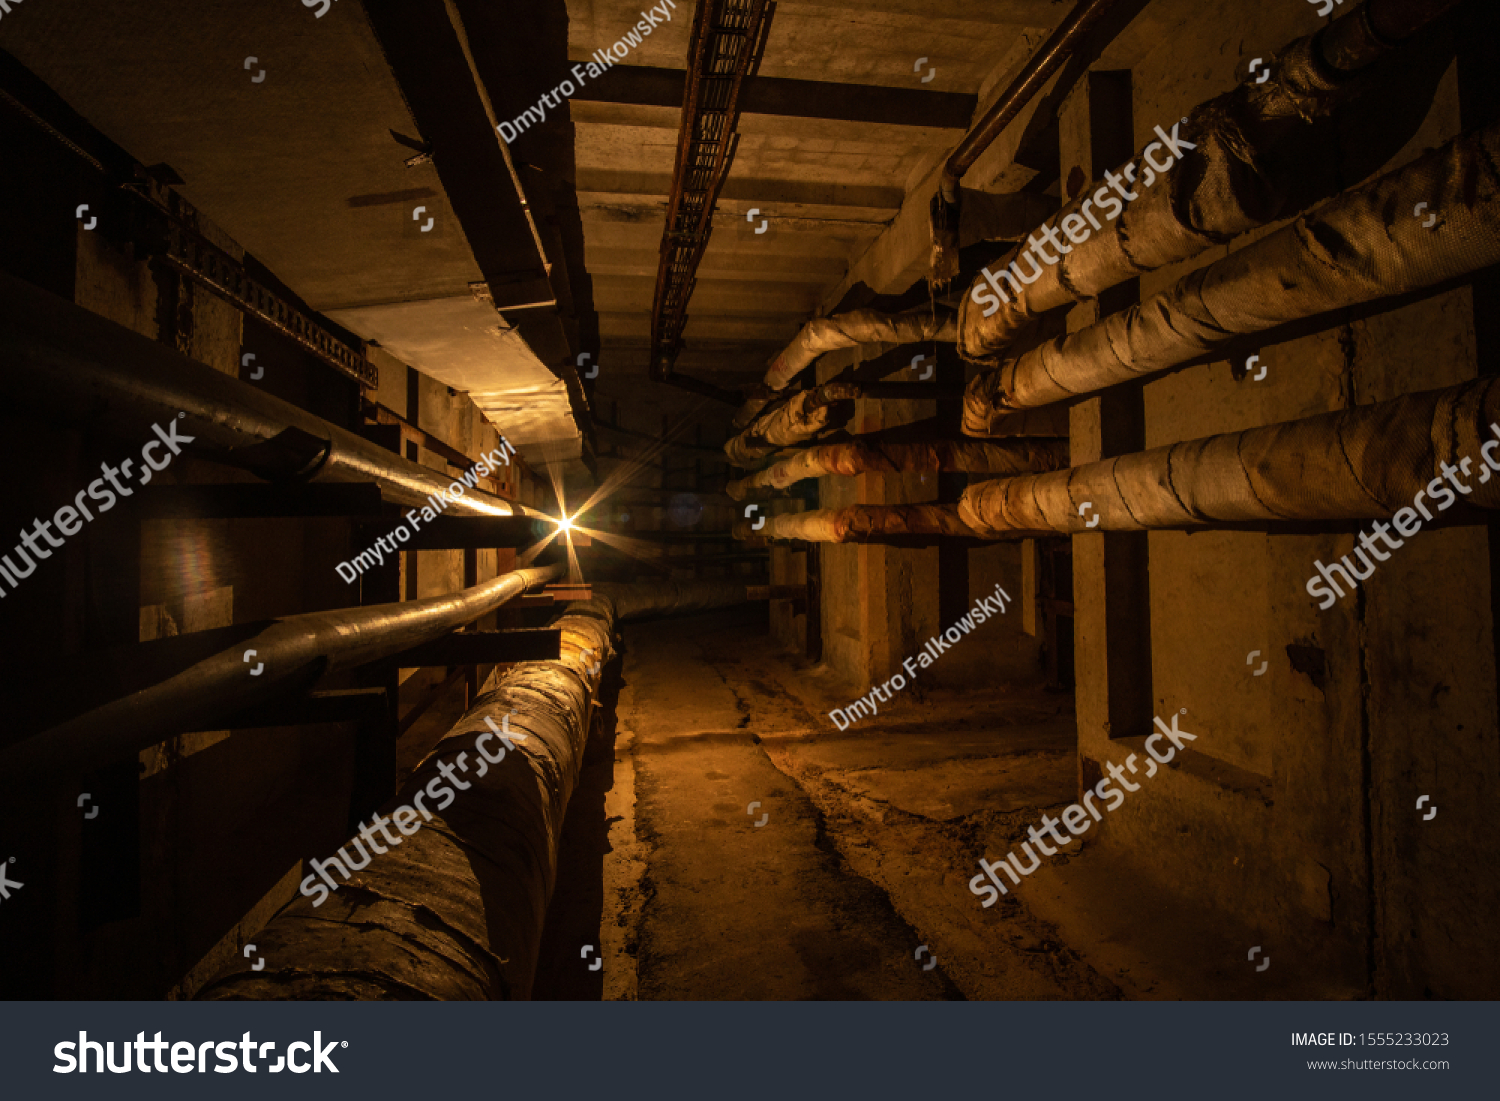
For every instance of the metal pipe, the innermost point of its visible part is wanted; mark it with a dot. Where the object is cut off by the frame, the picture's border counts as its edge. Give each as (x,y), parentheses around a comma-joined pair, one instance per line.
(848,330)
(85,370)
(932,456)
(1369,32)
(296,652)
(455,911)
(1047,60)
(1363,463)
(1364,245)
(807,415)
(892,525)
(1238,177)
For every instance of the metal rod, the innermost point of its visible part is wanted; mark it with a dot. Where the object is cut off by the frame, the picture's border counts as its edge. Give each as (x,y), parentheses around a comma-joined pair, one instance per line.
(1046,61)
(292,655)
(85,370)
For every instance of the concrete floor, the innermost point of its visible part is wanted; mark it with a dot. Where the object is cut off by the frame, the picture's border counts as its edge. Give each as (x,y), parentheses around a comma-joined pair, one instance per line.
(872,837)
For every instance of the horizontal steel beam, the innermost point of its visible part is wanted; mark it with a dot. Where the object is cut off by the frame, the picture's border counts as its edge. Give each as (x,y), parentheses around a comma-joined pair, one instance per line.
(644,86)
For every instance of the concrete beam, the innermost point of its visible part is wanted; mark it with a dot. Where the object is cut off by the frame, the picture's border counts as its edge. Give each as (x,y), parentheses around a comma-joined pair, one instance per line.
(643,86)
(757,267)
(612,182)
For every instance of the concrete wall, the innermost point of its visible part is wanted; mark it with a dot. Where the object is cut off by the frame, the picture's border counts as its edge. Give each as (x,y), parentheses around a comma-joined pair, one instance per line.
(1295,809)
(1294,814)
(881,604)
(199,840)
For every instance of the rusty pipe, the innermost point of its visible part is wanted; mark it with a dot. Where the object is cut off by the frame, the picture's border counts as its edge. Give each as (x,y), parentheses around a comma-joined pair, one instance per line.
(1364,463)
(931,456)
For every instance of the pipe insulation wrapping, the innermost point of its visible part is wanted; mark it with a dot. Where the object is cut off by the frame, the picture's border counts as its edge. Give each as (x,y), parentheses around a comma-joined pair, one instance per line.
(1237,179)
(455,911)
(862,457)
(862,524)
(847,330)
(806,415)
(1355,464)
(1363,245)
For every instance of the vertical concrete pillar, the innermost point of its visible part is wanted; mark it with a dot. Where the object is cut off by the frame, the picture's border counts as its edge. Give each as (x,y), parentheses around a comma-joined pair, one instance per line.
(1111,589)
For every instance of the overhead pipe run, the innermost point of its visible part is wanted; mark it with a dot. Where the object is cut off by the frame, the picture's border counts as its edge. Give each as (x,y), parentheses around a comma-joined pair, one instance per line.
(455,910)
(859,457)
(296,653)
(1236,179)
(1361,246)
(901,525)
(807,415)
(849,330)
(946,204)
(84,370)
(1356,464)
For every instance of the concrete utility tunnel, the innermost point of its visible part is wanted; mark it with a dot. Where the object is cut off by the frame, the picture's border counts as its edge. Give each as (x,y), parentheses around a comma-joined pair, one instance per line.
(747,500)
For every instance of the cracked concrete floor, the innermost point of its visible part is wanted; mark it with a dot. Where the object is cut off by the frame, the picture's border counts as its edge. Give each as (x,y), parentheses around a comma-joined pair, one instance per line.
(668,888)
(863,856)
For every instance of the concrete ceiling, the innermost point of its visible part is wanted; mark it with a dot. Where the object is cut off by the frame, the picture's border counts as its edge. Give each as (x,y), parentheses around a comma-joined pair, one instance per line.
(830,187)
(302,169)
(838,152)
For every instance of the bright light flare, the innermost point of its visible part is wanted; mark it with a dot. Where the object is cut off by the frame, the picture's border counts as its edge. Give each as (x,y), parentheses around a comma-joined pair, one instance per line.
(564,525)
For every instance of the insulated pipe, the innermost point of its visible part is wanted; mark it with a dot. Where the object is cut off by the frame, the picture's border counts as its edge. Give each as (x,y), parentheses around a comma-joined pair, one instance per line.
(860,457)
(455,911)
(756,400)
(296,652)
(807,415)
(1363,245)
(1236,179)
(847,330)
(85,370)
(895,524)
(1356,464)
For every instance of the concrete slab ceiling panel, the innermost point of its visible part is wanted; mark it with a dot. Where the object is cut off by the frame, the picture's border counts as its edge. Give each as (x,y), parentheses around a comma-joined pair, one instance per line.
(462,342)
(299,166)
